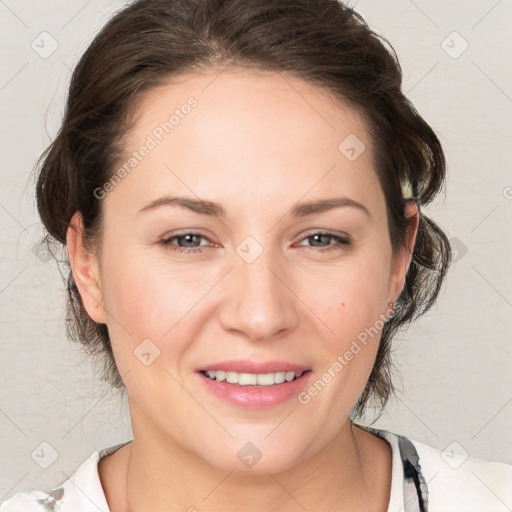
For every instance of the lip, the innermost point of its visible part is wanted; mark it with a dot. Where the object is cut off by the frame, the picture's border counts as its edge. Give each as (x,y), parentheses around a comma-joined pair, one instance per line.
(256,397)
(248,366)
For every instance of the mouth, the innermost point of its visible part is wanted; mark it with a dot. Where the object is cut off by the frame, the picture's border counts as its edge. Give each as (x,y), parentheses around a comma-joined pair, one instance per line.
(260,380)
(255,386)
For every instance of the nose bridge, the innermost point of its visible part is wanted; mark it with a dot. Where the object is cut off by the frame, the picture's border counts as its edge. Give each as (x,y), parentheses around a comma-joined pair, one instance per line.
(259,302)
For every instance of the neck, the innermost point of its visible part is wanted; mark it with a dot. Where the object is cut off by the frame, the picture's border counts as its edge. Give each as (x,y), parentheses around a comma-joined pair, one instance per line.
(347,474)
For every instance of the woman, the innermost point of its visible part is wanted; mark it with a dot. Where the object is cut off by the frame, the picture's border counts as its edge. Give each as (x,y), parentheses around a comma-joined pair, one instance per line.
(239,188)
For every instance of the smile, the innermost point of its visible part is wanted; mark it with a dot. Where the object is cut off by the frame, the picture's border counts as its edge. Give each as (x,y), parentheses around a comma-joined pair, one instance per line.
(252,379)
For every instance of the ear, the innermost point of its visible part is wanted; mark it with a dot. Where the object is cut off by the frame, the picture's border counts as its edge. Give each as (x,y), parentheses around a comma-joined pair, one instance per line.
(85,269)
(402,259)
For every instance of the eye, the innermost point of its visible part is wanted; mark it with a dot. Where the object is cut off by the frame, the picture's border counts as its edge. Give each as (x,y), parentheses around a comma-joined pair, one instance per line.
(189,247)
(188,237)
(324,236)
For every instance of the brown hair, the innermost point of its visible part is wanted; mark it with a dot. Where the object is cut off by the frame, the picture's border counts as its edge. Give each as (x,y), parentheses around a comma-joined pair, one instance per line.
(321,41)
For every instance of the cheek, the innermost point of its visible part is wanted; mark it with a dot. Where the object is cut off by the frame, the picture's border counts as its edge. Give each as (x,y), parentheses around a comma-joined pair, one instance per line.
(152,299)
(144,295)
(353,295)
(352,307)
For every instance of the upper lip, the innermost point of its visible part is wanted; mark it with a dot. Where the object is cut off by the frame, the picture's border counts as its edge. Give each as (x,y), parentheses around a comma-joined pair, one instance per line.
(248,366)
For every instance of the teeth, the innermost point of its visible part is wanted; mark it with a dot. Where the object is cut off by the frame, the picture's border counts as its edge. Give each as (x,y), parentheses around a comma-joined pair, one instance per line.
(253,379)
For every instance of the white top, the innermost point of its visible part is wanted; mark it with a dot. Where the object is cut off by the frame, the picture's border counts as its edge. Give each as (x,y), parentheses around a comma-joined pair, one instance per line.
(434,481)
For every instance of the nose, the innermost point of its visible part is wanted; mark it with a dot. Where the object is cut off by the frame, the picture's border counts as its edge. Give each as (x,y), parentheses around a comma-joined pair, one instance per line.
(260,301)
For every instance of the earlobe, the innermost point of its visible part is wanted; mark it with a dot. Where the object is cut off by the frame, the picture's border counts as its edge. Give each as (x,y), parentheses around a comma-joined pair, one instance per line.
(85,269)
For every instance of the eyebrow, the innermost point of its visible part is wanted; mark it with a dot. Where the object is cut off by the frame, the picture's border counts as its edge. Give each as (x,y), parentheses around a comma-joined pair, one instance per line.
(216,210)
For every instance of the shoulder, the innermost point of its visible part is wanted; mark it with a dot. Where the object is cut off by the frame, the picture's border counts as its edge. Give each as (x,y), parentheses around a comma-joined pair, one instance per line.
(459,482)
(454,480)
(34,501)
(82,492)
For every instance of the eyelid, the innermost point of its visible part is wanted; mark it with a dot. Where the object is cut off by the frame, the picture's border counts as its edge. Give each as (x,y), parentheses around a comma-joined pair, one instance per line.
(341,239)
(165,241)
(311,232)
(321,231)
(190,231)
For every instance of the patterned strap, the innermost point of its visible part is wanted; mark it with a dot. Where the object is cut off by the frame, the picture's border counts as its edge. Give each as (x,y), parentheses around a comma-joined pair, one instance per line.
(415,486)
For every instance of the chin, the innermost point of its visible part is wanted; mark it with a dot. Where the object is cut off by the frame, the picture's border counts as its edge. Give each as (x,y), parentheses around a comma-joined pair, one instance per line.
(254,458)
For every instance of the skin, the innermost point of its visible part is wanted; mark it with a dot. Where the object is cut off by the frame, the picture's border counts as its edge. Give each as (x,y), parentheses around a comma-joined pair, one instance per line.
(257,143)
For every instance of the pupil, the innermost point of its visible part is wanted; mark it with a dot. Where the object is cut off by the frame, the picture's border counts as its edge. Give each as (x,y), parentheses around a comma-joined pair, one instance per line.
(321,236)
(188,236)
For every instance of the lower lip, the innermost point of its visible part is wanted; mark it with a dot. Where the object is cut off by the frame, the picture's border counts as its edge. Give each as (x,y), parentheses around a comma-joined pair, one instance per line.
(256,397)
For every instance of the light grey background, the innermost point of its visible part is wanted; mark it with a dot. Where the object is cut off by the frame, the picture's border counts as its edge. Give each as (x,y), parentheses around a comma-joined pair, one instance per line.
(455,362)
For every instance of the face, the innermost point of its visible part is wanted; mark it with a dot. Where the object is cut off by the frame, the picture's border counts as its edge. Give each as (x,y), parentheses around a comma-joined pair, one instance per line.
(259,284)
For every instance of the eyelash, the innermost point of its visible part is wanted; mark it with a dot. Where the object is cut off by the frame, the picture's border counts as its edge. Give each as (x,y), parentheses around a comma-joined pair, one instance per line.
(173,247)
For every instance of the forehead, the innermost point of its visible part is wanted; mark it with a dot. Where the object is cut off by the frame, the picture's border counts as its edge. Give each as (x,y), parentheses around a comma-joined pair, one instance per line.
(249,133)
(264,100)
